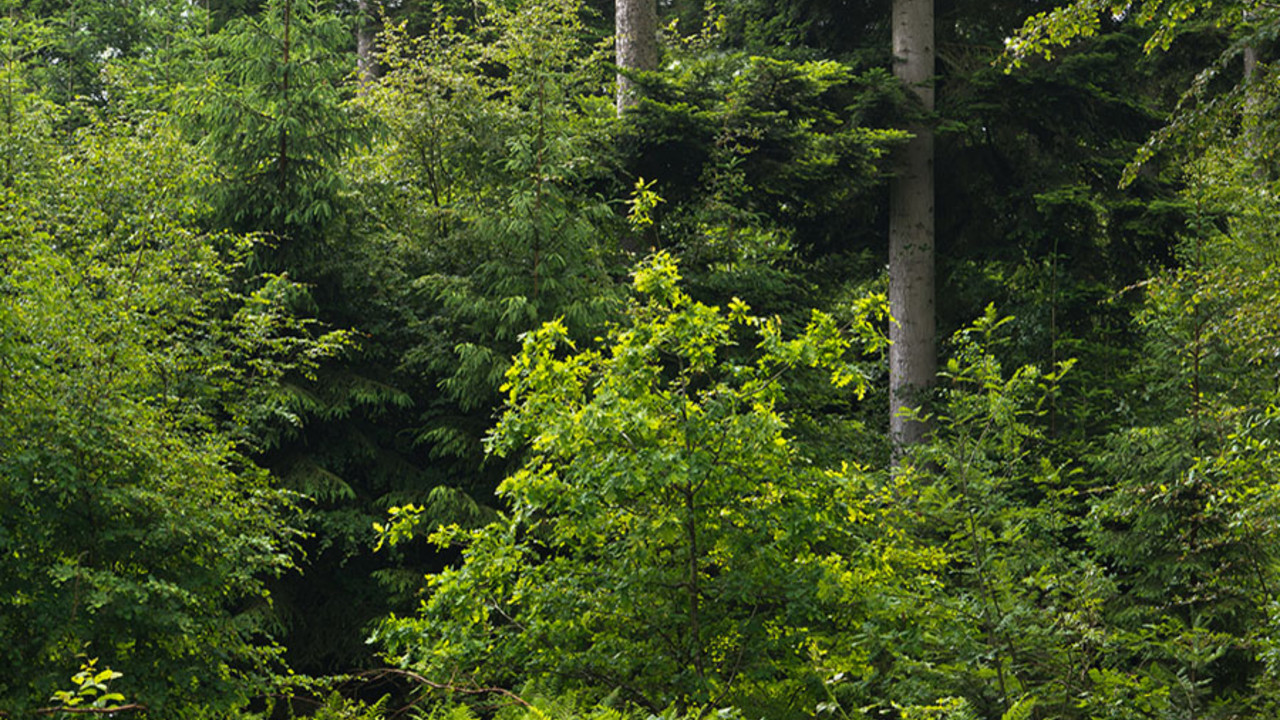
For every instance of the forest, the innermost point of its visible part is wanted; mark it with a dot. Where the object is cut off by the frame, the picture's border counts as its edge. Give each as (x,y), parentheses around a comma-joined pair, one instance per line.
(639,359)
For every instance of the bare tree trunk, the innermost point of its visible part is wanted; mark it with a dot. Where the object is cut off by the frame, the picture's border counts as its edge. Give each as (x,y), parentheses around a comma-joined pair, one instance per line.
(1250,52)
(1254,137)
(636,31)
(913,354)
(366,66)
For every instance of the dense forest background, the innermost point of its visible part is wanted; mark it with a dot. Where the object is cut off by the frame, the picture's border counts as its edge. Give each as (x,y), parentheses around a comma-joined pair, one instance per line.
(370,359)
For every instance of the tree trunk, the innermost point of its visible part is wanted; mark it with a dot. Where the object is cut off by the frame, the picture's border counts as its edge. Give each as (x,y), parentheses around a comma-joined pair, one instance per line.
(1250,51)
(913,354)
(1254,138)
(636,31)
(366,67)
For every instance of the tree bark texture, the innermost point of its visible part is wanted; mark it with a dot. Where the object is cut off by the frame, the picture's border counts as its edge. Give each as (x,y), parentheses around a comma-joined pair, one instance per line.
(913,352)
(1253,113)
(636,42)
(366,67)
(1251,56)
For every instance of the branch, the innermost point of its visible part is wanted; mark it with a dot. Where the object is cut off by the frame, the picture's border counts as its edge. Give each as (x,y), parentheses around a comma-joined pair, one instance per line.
(449,687)
(87,710)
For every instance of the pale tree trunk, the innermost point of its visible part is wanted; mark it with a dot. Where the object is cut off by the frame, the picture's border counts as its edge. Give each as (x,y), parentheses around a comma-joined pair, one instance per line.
(913,354)
(366,65)
(1250,52)
(1254,137)
(636,42)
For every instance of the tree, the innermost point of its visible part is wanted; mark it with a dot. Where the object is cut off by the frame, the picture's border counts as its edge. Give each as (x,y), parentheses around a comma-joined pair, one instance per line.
(1184,513)
(134,526)
(912,351)
(1209,107)
(636,42)
(663,536)
(1188,523)
(271,112)
(766,164)
(472,215)
(366,63)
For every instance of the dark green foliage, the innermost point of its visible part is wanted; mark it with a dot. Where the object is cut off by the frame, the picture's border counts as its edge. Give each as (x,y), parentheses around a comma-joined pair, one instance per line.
(484,186)
(468,222)
(761,159)
(1189,525)
(272,116)
(1033,160)
(691,518)
(807,27)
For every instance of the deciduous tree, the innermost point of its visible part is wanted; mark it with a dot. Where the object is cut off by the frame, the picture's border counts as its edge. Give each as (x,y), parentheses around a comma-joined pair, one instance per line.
(636,44)
(663,536)
(913,349)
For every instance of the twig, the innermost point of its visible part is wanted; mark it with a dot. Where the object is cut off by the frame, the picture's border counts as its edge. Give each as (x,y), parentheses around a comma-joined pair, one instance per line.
(86,710)
(449,687)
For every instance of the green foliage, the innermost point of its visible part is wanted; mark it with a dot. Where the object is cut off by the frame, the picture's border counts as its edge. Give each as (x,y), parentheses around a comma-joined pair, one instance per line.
(1132,581)
(90,689)
(1060,26)
(133,526)
(27,118)
(485,184)
(1219,106)
(337,707)
(271,111)
(692,517)
(75,53)
(665,541)
(770,165)
(1016,600)
(1188,524)
(766,156)
(1031,221)
(467,219)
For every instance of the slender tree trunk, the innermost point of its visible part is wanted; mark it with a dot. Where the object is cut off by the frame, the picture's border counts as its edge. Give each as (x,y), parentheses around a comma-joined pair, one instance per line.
(366,66)
(1254,137)
(913,354)
(1250,52)
(636,41)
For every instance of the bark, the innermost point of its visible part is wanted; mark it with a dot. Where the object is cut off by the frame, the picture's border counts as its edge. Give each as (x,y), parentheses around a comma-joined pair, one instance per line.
(366,66)
(913,353)
(1254,138)
(1250,52)
(636,41)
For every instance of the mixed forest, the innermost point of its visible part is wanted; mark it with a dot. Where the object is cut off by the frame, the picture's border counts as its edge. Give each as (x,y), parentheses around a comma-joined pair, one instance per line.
(613,360)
